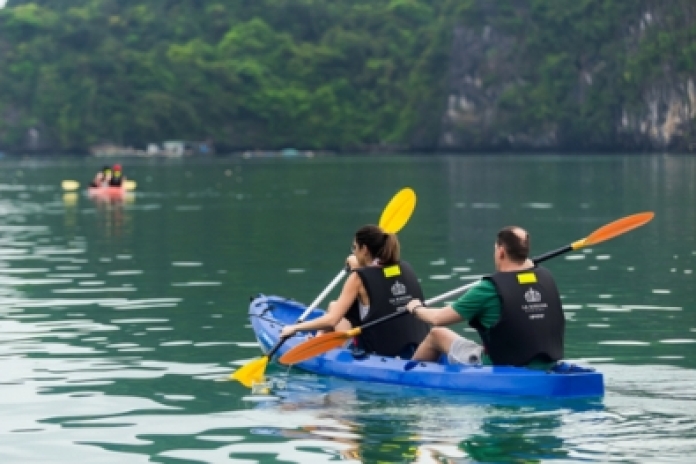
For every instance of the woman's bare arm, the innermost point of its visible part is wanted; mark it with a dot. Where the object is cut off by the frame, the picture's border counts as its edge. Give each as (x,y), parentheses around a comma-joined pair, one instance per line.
(337,309)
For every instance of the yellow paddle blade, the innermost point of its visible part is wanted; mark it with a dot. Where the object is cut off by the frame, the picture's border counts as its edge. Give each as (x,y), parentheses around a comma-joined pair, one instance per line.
(316,346)
(251,373)
(398,211)
(130,185)
(70,185)
(614,229)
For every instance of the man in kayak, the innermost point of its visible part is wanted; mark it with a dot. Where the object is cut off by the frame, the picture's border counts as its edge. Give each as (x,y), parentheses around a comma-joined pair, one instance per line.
(101,179)
(516,311)
(379,284)
(117,178)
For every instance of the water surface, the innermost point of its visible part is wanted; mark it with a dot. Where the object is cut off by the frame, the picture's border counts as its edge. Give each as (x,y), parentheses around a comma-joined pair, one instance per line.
(121,320)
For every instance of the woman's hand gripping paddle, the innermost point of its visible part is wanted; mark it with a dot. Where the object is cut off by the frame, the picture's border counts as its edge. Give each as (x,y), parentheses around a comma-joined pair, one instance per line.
(394,217)
(331,340)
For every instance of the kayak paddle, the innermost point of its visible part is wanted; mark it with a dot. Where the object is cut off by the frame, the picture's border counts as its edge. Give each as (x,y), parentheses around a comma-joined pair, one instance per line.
(604,233)
(394,217)
(328,341)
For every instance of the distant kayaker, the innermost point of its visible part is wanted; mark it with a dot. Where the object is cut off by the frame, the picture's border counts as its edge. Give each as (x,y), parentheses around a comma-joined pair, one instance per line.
(379,284)
(117,178)
(101,179)
(516,311)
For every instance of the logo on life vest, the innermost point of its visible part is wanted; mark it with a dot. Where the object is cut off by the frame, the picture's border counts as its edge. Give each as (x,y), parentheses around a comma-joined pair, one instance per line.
(532,296)
(398,288)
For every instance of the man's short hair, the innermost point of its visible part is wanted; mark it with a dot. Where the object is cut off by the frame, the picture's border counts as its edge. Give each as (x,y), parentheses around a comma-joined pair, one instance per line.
(516,247)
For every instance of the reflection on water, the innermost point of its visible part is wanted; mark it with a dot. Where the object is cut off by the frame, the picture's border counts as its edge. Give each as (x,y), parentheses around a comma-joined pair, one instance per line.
(382,420)
(120,321)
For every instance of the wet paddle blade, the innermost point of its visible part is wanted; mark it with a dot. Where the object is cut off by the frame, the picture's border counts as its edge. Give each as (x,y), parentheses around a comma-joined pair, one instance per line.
(130,185)
(251,373)
(398,211)
(614,229)
(70,185)
(316,346)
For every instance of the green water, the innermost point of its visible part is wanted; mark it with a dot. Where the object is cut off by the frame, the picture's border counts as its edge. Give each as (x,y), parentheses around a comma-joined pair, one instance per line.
(121,320)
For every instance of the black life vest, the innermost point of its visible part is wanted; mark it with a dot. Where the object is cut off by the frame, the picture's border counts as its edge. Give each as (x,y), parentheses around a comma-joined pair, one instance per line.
(532,323)
(389,288)
(116,179)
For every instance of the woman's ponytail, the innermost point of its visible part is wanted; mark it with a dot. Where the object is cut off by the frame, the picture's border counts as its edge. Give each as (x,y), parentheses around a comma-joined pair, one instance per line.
(381,245)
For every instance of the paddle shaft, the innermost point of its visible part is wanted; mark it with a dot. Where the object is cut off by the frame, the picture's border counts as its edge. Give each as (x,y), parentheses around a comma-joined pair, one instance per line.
(310,308)
(537,260)
(401,313)
(553,254)
(323,294)
(463,288)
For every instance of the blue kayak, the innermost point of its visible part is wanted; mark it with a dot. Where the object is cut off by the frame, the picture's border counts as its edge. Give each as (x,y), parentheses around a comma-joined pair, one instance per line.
(268,314)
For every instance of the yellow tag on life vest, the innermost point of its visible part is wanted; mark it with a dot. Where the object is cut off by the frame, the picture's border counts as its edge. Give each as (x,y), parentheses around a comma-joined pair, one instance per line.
(392,271)
(527,278)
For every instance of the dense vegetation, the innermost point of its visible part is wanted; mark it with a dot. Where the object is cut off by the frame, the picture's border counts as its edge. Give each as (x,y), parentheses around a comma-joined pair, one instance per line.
(334,74)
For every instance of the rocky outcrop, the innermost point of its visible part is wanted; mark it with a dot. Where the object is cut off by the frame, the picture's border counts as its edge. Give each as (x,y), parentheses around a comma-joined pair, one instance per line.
(623,106)
(665,119)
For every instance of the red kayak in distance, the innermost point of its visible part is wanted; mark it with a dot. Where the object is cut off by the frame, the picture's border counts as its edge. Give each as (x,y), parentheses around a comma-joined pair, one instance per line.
(107,192)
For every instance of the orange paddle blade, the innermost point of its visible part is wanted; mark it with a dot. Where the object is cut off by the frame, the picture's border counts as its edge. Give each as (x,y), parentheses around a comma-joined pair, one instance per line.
(316,346)
(614,229)
(398,211)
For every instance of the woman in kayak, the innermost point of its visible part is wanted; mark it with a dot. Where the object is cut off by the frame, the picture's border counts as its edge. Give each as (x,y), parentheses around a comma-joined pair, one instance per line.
(101,179)
(379,284)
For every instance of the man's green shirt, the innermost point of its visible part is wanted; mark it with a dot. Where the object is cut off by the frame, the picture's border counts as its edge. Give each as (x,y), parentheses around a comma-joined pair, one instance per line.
(480,302)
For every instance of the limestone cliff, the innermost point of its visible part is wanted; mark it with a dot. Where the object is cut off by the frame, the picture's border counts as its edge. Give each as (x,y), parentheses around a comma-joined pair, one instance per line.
(545,79)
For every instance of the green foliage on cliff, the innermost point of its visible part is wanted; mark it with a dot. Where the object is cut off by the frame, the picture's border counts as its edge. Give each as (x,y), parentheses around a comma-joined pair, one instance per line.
(336,74)
(588,71)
